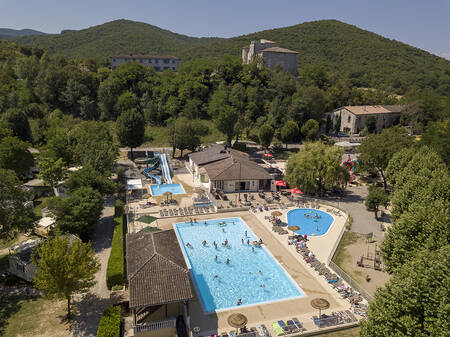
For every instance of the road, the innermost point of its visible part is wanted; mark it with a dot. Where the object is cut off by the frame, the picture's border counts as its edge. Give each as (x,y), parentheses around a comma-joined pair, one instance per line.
(92,304)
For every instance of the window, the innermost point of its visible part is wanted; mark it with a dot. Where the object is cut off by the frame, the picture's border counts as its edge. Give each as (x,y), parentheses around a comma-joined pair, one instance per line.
(156,61)
(156,68)
(114,60)
(349,119)
(166,61)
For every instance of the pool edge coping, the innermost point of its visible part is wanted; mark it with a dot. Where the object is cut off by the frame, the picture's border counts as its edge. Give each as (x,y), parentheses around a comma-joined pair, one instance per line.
(237,306)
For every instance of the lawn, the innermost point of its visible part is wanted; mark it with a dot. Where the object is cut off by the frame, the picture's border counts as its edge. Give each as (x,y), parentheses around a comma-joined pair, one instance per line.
(40,203)
(156,136)
(341,254)
(32,317)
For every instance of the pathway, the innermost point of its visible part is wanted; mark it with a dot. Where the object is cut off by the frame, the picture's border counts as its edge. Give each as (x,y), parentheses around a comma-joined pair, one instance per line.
(92,304)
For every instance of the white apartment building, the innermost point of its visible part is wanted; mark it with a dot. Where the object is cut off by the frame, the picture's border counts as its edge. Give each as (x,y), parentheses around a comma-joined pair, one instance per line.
(159,63)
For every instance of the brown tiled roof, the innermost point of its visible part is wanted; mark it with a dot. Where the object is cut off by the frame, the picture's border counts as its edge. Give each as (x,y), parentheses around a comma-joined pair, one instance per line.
(279,50)
(156,269)
(140,56)
(374,109)
(214,153)
(235,168)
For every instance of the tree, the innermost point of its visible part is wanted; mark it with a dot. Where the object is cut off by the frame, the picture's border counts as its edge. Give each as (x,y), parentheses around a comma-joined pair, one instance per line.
(51,171)
(14,155)
(289,132)
(79,213)
(226,120)
(185,134)
(415,300)
(18,122)
(371,124)
(316,168)
(310,129)
(15,216)
(266,135)
(437,137)
(130,127)
(87,176)
(377,197)
(377,150)
(65,266)
(98,138)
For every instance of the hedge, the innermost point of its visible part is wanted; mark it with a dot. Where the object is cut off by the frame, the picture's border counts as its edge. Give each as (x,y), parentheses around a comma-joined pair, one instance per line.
(109,325)
(115,274)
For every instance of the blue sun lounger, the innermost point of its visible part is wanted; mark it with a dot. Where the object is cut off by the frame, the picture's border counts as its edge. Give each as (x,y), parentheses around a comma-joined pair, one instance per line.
(283,326)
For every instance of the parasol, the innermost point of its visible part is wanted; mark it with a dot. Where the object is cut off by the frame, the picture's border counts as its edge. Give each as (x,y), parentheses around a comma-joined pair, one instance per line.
(321,304)
(276,213)
(237,320)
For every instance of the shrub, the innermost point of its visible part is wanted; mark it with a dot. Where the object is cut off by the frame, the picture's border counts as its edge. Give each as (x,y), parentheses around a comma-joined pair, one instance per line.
(115,269)
(110,323)
(240,146)
(118,208)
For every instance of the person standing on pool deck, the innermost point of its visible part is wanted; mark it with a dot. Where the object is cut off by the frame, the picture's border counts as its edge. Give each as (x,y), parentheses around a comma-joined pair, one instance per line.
(245,233)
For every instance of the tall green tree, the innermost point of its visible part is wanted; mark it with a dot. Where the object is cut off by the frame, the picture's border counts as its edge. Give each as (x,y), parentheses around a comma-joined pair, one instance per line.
(266,133)
(65,266)
(371,124)
(130,128)
(310,129)
(316,168)
(51,171)
(437,137)
(377,197)
(185,134)
(15,217)
(19,124)
(14,155)
(289,132)
(87,176)
(226,121)
(79,213)
(415,300)
(377,150)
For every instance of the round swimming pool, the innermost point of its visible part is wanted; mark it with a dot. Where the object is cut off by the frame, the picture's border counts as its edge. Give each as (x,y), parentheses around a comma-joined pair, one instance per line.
(312,222)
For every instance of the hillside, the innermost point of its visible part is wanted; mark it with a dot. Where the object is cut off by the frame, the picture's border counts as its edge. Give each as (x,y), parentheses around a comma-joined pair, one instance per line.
(366,58)
(7,32)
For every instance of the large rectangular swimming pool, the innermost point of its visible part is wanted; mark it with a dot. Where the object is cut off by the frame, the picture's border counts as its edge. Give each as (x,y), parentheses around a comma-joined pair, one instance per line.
(251,275)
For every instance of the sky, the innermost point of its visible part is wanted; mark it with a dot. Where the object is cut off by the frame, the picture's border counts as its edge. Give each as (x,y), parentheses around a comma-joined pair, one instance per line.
(421,23)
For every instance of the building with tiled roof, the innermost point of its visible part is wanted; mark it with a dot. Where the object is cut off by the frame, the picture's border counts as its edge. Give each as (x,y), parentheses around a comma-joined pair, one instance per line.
(353,119)
(220,168)
(271,55)
(158,281)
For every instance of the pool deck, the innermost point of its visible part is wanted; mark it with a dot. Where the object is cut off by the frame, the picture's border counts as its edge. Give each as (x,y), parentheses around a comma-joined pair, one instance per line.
(308,280)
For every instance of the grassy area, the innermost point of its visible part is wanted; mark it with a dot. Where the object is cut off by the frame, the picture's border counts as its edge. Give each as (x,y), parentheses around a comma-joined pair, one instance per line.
(115,269)
(341,254)
(40,204)
(156,136)
(31,317)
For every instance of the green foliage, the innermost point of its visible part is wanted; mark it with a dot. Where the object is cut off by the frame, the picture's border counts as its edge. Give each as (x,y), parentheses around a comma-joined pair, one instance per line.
(65,266)
(310,129)
(130,128)
(184,133)
(371,124)
(415,300)
(266,133)
(98,138)
(367,59)
(14,155)
(15,217)
(51,171)
(377,150)
(316,168)
(87,176)
(79,213)
(377,197)
(18,122)
(115,272)
(437,137)
(289,132)
(109,325)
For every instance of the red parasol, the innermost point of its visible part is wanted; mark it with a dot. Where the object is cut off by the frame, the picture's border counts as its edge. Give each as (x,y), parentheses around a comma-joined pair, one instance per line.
(280,183)
(268,155)
(296,191)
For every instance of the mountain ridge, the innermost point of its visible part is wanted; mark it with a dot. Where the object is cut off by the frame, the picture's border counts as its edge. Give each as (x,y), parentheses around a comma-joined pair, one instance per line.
(9,32)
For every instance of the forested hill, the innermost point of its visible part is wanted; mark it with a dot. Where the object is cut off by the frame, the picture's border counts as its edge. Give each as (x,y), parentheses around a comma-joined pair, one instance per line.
(7,32)
(368,59)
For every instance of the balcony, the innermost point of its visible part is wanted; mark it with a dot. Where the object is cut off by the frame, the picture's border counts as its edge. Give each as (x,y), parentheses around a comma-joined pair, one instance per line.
(158,325)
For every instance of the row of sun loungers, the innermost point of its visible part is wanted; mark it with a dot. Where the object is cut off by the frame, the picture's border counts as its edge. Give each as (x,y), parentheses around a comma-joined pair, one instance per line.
(184,211)
(291,326)
(336,318)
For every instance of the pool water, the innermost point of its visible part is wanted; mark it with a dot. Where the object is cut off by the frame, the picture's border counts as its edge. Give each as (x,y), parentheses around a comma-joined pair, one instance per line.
(310,225)
(161,189)
(240,279)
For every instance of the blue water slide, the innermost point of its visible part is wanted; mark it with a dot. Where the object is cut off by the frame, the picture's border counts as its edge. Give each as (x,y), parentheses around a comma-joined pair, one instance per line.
(147,173)
(165,169)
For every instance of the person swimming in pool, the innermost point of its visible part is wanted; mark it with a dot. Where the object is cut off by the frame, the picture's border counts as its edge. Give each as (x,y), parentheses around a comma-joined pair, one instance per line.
(317,228)
(263,285)
(253,249)
(228,261)
(215,259)
(205,223)
(223,230)
(215,244)
(188,245)
(245,233)
(260,273)
(204,243)
(215,276)
(239,301)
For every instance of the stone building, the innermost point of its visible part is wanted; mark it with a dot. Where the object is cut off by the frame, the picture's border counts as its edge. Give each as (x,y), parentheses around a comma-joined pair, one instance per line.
(159,63)
(271,54)
(353,118)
